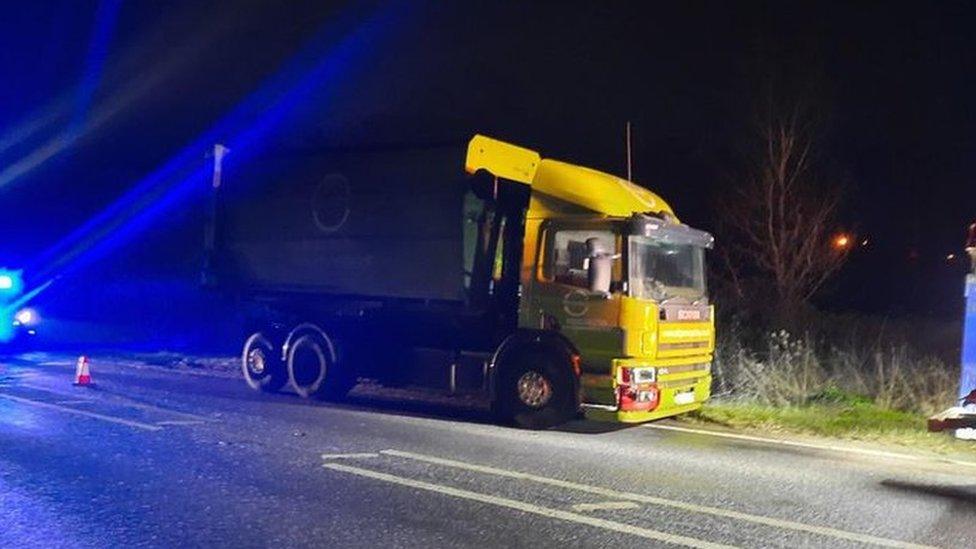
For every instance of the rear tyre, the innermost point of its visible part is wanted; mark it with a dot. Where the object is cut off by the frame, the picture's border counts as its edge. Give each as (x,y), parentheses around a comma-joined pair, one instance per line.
(312,370)
(535,391)
(261,364)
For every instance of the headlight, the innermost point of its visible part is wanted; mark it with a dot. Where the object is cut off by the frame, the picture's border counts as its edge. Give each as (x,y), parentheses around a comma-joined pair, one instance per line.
(26,317)
(644,375)
(633,375)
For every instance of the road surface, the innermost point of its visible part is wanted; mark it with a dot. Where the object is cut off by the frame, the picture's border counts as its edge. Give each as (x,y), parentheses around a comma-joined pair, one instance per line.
(153,457)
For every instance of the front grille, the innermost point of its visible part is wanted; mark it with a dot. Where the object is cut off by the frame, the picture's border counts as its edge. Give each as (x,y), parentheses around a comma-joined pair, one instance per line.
(682,345)
(666,370)
(685,383)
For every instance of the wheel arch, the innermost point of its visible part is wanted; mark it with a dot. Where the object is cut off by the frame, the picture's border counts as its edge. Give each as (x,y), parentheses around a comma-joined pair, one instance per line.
(521,340)
(301,329)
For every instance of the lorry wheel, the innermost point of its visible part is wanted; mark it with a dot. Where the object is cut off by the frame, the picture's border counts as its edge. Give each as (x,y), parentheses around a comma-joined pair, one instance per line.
(534,392)
(261,365)
(313,372)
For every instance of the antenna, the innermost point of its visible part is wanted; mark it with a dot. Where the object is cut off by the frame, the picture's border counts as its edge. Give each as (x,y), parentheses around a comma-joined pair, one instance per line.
(630,174)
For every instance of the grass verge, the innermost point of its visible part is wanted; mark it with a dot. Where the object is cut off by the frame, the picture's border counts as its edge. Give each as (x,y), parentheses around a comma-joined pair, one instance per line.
(852,420)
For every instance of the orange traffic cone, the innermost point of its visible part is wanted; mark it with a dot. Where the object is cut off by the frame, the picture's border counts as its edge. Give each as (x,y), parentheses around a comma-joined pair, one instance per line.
(82,373)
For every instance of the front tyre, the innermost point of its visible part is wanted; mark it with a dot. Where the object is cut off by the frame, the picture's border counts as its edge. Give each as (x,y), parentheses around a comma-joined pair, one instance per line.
(261,365)
(535,392)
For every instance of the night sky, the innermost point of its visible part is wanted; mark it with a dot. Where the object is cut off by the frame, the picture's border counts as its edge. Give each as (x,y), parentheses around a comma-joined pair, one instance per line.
(896,83)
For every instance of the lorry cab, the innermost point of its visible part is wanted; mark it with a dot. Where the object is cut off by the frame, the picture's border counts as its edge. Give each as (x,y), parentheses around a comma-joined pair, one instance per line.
(608,266)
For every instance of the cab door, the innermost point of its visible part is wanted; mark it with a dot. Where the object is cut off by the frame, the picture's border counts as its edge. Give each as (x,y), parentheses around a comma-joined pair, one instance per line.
(560,299)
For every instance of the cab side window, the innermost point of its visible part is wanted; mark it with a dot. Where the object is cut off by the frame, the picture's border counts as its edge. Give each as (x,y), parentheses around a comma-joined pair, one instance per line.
(565,261)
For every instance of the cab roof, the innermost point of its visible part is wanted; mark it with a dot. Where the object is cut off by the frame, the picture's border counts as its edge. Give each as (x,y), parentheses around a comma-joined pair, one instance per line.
(585,187)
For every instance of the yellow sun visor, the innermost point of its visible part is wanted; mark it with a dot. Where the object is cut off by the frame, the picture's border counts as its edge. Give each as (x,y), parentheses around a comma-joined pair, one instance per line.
(591,189)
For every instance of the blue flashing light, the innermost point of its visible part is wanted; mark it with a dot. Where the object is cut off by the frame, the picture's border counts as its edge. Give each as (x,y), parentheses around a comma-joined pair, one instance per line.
(10,283)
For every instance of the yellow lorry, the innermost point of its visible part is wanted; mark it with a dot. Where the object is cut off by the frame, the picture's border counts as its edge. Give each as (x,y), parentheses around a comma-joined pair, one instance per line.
(552,287)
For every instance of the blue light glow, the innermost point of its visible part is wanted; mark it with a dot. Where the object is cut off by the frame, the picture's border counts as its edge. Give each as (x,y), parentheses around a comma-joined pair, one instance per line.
(245,129)
(102,32)
(12,299)
(11,284)
(104,27)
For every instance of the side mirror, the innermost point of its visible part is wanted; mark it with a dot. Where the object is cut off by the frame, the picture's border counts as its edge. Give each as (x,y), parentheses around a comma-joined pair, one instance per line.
(599,266)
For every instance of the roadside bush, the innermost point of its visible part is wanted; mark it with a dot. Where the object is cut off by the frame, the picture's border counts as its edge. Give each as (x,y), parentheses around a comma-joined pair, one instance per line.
(779,368)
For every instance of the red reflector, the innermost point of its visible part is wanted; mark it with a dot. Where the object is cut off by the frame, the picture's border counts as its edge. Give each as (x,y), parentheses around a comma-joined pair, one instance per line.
(641,398)
(625,376)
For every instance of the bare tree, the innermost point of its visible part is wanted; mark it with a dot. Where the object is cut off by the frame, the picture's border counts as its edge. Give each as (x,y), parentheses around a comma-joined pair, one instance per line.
(778,222)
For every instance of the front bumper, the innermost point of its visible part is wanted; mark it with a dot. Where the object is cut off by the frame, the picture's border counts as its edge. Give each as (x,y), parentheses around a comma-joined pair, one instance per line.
(682,387)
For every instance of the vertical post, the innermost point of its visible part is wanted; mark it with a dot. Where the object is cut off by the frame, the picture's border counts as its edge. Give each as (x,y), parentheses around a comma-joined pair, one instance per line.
(630,173)
(210,235)
(967,373)
(967,376)
(219,151)
(452,379)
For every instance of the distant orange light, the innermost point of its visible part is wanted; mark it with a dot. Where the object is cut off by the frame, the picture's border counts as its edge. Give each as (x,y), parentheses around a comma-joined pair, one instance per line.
(841,242)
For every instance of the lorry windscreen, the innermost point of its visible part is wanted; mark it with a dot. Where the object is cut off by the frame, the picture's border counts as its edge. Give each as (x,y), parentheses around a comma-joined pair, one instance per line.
(663,270)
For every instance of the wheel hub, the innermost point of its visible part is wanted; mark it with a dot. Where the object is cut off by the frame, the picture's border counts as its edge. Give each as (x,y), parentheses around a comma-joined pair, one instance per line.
(534,390)
(256,361)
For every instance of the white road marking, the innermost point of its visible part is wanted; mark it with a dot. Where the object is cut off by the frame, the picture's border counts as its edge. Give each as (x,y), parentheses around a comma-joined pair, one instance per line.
(349,456)
(811,445)
(178,422)
(77,401)
(605,506)
(653,500)
(93,415)
(528,507)
(123,401)
(150,408)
